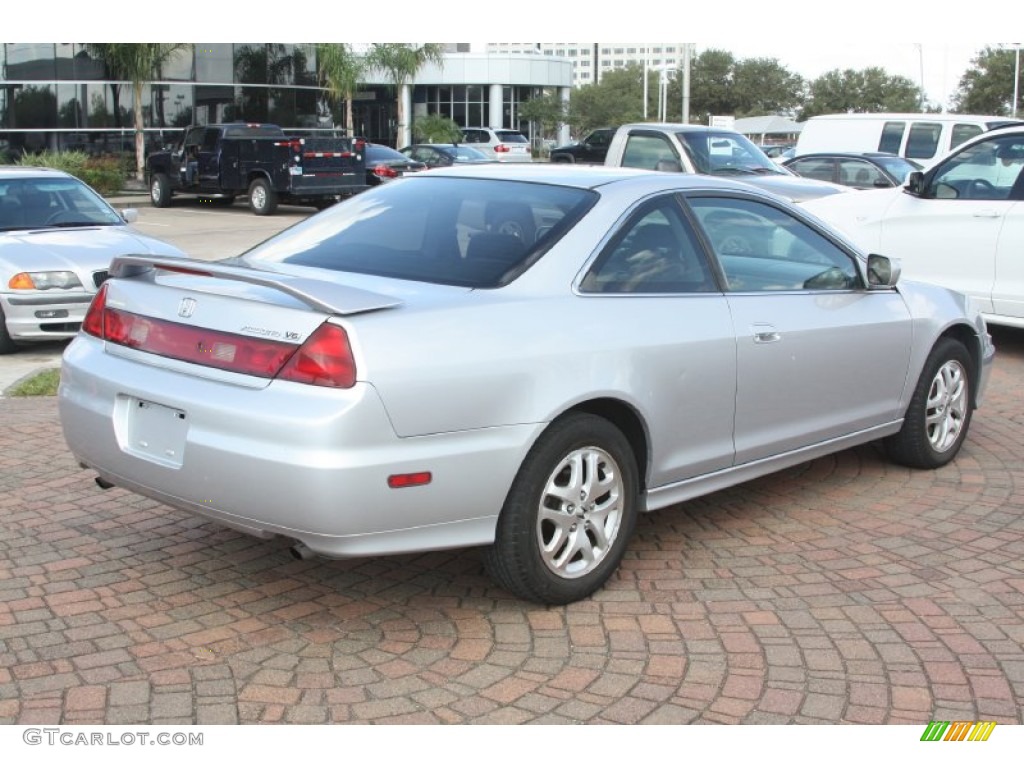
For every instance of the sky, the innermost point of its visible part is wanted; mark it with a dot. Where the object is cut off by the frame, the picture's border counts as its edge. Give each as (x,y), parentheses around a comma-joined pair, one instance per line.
(919,39)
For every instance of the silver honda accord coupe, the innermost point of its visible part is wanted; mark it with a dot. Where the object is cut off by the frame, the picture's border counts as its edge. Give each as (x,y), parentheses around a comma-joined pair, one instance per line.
(521,358)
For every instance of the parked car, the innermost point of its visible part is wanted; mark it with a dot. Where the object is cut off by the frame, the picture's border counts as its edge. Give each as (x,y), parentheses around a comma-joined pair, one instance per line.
(395,375)
(444,155)
(499,144)
(592,148)
(57,237)
(959,224)
(384,164)
(684,148)
(860,170)
(923,138)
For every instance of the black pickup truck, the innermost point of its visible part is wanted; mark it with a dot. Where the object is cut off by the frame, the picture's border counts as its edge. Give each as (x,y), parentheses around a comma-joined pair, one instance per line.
(217,163)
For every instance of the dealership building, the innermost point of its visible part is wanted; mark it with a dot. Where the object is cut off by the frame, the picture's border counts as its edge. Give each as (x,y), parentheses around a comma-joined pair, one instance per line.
(57,96)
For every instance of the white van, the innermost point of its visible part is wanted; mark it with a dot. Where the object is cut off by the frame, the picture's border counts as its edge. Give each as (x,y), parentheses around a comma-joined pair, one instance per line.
(920,137)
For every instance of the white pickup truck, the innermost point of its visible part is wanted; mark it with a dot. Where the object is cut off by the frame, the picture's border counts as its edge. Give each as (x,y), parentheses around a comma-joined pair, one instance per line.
(686,148)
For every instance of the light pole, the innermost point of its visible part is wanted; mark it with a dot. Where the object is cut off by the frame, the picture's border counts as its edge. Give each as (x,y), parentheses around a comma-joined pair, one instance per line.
(1016,75)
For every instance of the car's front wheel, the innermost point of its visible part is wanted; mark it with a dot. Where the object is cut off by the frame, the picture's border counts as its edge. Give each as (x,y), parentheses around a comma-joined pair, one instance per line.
(569,514)
(7,345)
(939,414)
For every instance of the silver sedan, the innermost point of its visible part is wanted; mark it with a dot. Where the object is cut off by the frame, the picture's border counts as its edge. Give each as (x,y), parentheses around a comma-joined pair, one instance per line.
(57,237)
(521,358)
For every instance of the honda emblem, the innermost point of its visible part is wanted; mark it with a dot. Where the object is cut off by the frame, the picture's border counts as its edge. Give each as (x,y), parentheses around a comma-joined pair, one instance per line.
(186,307)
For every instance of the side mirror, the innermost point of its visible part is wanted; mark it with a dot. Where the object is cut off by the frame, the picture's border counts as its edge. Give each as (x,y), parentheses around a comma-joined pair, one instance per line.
(915,183)
(130,215)
(883,272)
(671,166)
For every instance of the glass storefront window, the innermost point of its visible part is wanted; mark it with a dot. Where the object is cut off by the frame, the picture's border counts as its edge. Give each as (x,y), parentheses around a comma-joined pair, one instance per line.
(214,63)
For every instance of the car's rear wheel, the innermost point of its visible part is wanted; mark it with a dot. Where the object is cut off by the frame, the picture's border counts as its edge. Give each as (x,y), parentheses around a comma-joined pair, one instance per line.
(262,197)
(160,190)
(569,514)
(939,414)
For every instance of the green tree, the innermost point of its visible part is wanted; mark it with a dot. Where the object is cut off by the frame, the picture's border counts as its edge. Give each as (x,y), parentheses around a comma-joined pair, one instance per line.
(436,129)
(401,62)
(711,85)
(986,88)
(866,90)
(138,63)
(341,71)
(617,99)
(547,110)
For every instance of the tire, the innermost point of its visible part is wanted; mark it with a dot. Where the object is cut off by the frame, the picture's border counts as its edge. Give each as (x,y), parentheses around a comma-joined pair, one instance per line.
(563,159)
(7,345)
(558,538)
(262,197)
(160,190)
(940,409)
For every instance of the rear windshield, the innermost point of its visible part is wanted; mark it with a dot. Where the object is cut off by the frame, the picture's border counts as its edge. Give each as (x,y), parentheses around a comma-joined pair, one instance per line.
(512,137)
(477,233)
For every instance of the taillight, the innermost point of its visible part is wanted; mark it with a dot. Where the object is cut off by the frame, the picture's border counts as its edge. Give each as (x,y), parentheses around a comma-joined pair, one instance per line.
(325,360)
(501,148)
(385,172)
(93,322)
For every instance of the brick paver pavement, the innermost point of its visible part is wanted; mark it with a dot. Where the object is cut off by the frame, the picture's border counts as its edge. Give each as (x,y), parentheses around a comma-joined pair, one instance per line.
(845,590)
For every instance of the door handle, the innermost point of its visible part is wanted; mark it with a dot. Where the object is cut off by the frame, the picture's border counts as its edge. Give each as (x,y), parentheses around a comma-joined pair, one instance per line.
(987,214)
(765,334)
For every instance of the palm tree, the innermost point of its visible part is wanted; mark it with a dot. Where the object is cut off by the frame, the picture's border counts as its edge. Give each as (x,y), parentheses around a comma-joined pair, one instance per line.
(138,63)
(402,61)
(341,72)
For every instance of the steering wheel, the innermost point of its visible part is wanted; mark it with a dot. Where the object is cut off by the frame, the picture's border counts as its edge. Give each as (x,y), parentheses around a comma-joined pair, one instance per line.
(980,188)
(56,216)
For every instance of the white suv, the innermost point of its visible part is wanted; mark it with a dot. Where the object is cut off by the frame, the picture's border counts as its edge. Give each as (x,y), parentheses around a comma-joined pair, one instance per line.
(503,145)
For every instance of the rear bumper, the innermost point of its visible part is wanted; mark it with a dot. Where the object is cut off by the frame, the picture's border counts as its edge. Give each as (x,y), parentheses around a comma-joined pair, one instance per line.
(304,462)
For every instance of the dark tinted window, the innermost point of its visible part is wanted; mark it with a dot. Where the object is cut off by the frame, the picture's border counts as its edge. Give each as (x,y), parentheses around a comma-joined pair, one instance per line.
(479,233)
(892,137)
(923,141)
(656,252)
(512,137)
(378,153)
(962,132)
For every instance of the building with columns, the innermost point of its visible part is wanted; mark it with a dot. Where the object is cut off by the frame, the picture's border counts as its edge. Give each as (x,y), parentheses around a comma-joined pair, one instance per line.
(591,60)
(57,96)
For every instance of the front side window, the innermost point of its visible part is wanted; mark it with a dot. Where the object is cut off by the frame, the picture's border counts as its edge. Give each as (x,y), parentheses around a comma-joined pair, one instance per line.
(655,252)
(987,170)
(962,132)
(762,248)
(857,173)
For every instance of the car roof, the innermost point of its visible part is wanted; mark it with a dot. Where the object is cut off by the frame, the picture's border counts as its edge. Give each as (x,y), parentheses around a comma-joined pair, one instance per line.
(678,128)
(31,172)
(593,177)
(851,155)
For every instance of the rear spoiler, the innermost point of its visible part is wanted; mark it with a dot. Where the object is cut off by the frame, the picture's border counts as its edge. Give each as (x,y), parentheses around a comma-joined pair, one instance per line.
(321,295)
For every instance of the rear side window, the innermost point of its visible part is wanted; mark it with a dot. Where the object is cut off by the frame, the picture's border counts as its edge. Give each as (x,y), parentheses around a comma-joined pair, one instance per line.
(646,151)
(478,233)
(962,132)
(923,141)
(656,252)
(813,168)
(892,137)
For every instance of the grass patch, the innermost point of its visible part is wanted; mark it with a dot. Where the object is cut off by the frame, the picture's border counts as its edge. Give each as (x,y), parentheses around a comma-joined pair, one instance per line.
(42,384)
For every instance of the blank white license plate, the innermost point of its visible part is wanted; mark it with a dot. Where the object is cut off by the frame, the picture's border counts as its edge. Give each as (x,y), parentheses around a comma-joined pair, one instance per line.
(156,432)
